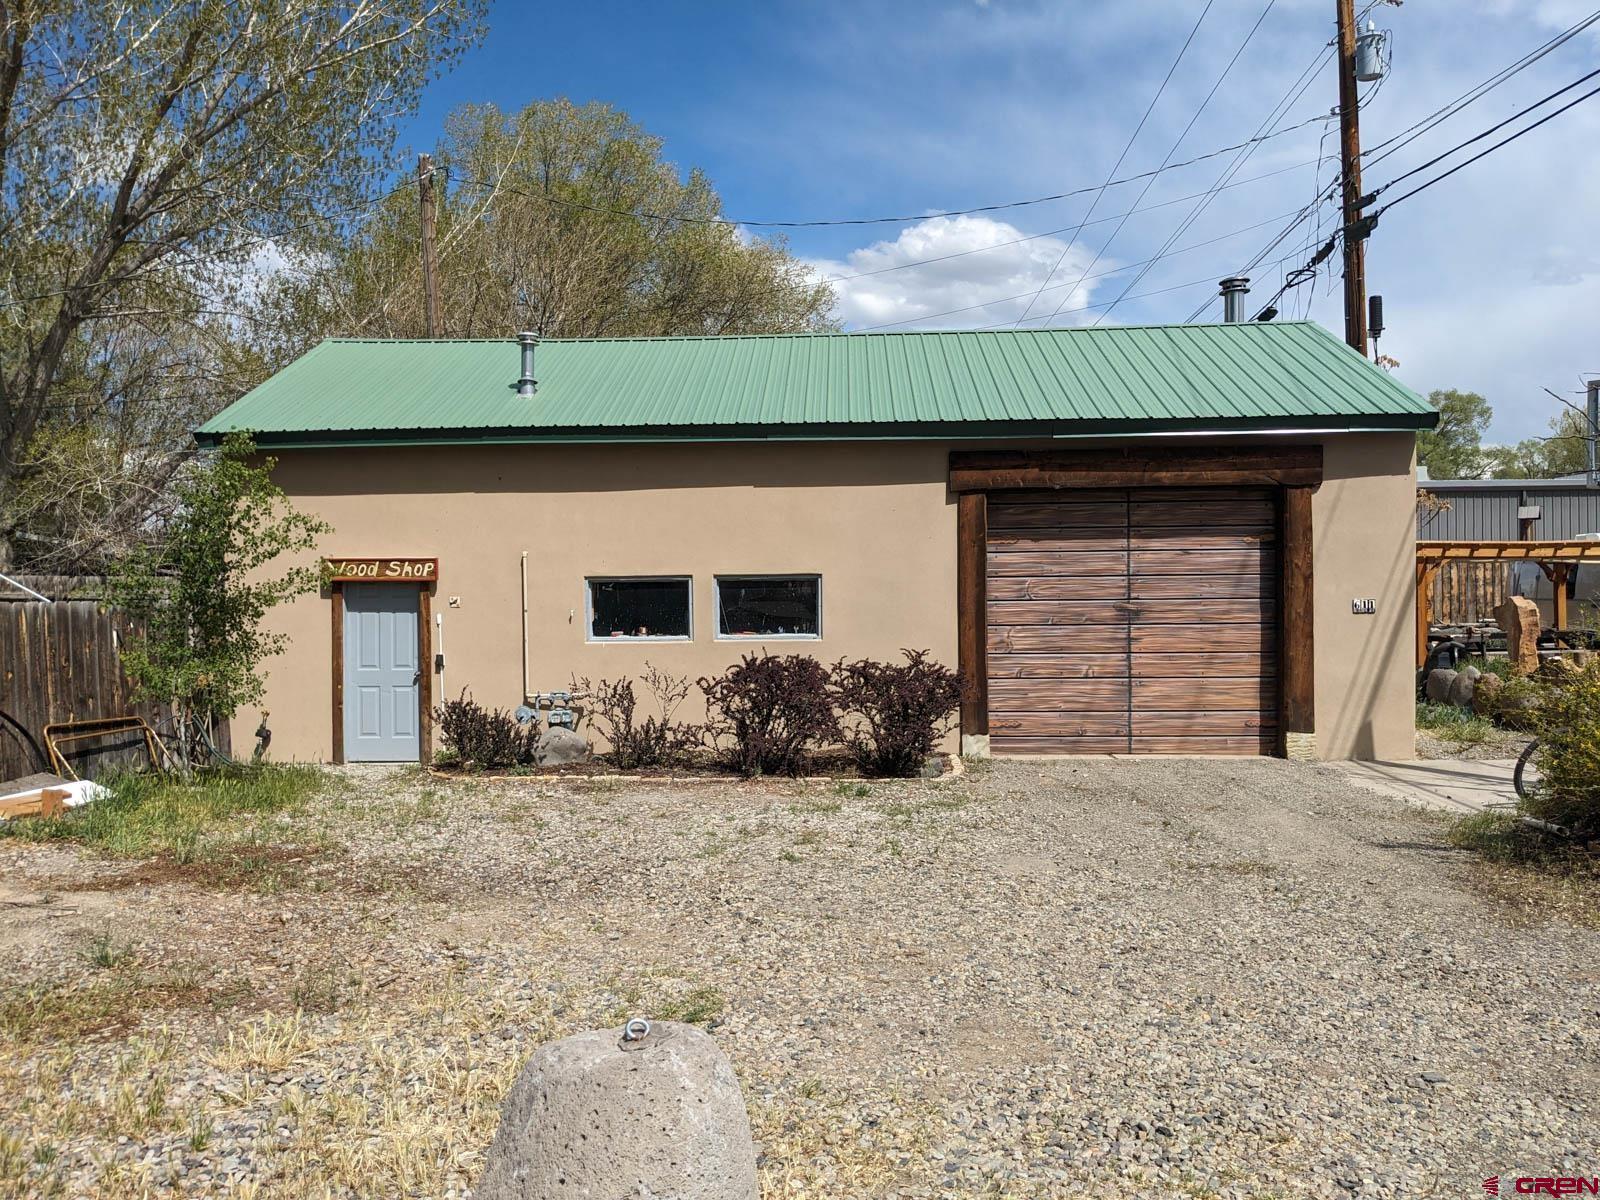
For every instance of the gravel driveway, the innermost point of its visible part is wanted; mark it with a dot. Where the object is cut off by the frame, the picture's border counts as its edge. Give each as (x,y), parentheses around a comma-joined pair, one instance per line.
(1181,977)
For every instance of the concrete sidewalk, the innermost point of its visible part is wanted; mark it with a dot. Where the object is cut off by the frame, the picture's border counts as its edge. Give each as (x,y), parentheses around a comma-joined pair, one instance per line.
(1449,785)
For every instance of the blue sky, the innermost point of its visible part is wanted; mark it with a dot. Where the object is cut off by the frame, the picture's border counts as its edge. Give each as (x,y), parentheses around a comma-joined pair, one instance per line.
(827,109)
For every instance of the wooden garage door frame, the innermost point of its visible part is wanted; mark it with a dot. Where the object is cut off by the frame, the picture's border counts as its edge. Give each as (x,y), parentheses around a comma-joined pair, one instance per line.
(1295,470)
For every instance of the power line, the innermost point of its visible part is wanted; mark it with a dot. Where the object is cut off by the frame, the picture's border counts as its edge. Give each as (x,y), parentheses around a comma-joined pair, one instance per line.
(1506,141)
(1197,113)
(1101,275)
(1438,158)
(1471,96)
(1365,224)
(1278,112)
(1149,108)
(680,219)
(1033,237)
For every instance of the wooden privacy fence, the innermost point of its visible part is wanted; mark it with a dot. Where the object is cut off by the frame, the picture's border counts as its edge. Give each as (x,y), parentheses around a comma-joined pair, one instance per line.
(1468,592)
(62,661)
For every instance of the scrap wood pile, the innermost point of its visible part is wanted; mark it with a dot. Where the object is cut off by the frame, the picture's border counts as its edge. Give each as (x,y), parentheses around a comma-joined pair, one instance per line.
(45,795)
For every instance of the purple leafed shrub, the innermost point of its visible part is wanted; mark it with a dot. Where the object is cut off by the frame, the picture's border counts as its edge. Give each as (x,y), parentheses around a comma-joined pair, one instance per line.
(480,737)
(767,713)
(653,742)
(893,714)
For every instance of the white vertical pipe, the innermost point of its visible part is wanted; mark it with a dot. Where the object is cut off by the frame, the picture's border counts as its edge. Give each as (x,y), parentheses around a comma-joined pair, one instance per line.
(438,624)
(525,627)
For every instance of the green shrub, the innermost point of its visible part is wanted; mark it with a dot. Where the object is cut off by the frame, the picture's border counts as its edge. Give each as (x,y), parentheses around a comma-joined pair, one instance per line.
(1452,724)
(1567,724)
(1516,702)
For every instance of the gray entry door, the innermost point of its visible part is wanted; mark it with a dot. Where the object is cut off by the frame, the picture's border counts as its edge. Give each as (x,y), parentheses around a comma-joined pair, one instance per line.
(381,672)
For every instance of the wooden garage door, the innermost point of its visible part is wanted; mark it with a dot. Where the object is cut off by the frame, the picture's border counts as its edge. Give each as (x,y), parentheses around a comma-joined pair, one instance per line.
(1137,621)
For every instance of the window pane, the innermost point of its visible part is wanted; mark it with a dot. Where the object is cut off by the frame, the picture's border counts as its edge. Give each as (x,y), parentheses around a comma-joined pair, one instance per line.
(768,607)
(639,608)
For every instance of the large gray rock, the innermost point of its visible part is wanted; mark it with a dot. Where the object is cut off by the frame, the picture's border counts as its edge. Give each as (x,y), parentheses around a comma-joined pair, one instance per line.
(662,1120)
(558,747)
(1437,688)
(1463,686)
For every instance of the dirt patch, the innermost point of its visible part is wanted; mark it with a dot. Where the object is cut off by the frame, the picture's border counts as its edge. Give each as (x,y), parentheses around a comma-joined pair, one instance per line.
(229,868)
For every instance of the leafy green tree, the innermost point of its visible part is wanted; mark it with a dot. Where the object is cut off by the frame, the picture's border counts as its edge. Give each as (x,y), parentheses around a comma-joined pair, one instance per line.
(199,595)
(1561,452)
(1454,448)
(153,154)
(549,220)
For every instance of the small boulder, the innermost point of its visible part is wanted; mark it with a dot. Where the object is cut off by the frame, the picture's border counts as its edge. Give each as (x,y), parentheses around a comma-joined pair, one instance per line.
(1463,686)
(594,1115)
(560,747)
(1486,695)
(1438,685)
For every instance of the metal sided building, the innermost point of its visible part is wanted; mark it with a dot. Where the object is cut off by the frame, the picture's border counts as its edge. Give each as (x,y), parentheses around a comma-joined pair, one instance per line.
(1193,539)
(1506,510)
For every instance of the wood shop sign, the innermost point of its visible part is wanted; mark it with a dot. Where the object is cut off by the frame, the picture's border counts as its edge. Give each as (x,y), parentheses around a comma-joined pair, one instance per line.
(381,570)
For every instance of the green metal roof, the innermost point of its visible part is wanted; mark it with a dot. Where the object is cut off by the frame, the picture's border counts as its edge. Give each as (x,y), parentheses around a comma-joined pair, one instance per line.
(1048,382)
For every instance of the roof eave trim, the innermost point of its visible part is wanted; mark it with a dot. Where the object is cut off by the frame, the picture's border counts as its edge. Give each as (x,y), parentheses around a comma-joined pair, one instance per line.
(929,431)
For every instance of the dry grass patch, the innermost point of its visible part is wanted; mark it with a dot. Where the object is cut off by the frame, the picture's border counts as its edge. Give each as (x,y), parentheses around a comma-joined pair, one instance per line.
(815,1144)
(1534,876)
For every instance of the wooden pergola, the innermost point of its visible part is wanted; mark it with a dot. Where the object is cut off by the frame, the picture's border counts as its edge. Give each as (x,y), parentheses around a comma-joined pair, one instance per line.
(1555,559)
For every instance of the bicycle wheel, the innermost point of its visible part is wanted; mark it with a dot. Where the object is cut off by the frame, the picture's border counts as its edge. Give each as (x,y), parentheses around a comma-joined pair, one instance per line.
(1520,778)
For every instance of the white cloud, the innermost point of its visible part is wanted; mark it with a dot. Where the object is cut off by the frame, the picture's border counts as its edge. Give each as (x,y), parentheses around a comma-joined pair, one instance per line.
(970,272)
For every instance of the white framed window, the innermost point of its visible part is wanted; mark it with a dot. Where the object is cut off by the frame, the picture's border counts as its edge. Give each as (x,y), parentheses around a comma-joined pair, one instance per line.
(768,607)
(639,608)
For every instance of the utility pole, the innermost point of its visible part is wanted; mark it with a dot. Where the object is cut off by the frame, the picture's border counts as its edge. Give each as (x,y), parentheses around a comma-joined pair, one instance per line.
(430,252)
(1355,251)
(1591,449)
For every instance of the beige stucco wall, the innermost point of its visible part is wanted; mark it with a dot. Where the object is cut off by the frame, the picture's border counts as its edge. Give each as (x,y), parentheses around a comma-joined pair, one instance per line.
(1363,521)
(873,519)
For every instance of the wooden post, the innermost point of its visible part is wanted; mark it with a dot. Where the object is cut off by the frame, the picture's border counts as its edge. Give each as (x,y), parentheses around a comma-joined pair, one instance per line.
(425,683)
(972,650)
(337,608)
(1425,573)
(1355,252)
(1298,714)
(1558,586)
(430,253)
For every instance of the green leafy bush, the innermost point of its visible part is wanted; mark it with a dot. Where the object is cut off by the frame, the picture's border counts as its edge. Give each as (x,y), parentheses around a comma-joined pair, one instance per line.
(768,713)
(1452,724)
(891,714)
(1567,724)
(479,738)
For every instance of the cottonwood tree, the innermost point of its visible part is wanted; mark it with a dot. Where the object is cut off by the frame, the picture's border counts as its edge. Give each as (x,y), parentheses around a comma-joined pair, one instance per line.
(1453,449)
(151,153)
(1563,451)
(548,220)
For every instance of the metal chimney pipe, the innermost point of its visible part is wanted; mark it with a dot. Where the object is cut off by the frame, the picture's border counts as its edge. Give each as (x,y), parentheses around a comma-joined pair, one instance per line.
(1593,431)
(526,383)
(1233,292)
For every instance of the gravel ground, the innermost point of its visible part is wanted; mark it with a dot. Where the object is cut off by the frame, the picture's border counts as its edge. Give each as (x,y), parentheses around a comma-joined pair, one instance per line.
(1185,977)
(1501,743)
